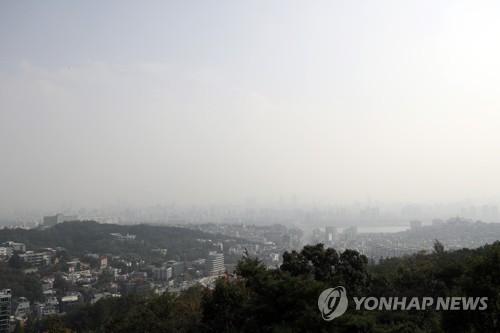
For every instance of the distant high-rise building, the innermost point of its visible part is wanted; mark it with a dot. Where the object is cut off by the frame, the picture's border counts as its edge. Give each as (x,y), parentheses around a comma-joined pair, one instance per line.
(369,213)
(485,213)
(58,218)
(415,225)
(177,267)
(331,234)
(5,302)
(214,264)
(162,273)
(351,233)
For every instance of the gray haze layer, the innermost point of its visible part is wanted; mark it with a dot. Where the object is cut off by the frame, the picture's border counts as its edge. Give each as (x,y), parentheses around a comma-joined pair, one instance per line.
(203,102)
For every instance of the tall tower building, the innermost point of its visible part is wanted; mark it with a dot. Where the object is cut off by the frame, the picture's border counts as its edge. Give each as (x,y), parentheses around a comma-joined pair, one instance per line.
(5,301)
(331,234)
(214,264)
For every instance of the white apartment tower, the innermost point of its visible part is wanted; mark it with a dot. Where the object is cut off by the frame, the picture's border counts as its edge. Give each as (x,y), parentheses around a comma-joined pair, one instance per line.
(214,264)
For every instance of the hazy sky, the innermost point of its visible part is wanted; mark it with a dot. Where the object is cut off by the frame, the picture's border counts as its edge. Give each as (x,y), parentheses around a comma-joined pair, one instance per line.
(215,101)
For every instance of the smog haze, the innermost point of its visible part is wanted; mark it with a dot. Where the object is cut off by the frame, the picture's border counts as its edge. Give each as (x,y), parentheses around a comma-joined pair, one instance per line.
(208,102)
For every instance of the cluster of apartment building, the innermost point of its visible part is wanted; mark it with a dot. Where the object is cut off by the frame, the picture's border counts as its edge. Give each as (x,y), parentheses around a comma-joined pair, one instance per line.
(454,233)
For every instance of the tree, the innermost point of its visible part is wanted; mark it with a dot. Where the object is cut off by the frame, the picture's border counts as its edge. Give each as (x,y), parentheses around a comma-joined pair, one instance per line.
(223,306)
(438,248)
(314,260)
(33,287)
(15,261)
(296,264)
(325,265)
(353,271)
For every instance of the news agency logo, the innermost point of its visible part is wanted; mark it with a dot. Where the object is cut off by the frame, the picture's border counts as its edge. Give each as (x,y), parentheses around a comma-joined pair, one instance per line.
(332,303)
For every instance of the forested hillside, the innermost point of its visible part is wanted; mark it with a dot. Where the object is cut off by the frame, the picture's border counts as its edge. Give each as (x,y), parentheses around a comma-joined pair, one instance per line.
(92,237)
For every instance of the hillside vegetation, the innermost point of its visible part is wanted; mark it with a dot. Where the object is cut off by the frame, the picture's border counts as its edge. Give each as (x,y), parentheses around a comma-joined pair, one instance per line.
(92,237)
